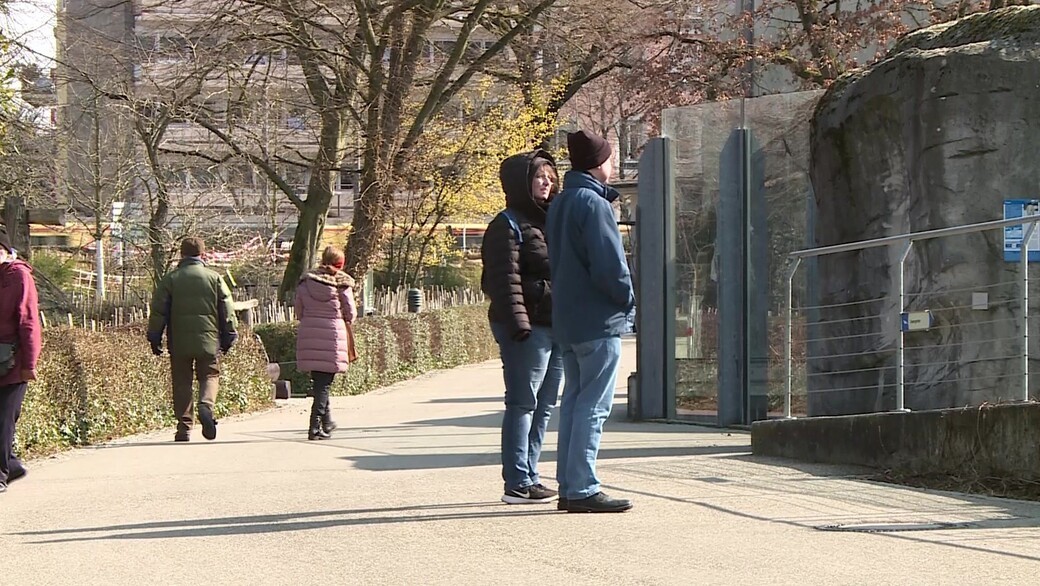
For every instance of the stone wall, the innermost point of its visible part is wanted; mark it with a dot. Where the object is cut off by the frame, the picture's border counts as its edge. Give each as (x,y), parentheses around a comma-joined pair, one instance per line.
(992,441)
(938,134)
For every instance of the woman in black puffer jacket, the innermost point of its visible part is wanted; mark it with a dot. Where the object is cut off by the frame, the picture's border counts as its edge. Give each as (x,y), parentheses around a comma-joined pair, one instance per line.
(516,279)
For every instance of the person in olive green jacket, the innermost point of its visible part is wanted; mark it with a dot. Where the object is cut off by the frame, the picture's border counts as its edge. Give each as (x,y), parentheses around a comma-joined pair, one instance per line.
(192,304)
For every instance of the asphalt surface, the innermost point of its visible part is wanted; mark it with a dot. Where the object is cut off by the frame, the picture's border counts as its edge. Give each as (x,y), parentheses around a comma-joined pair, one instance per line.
(408,492)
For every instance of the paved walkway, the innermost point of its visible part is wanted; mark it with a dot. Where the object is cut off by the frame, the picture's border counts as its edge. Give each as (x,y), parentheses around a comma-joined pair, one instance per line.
(407,493)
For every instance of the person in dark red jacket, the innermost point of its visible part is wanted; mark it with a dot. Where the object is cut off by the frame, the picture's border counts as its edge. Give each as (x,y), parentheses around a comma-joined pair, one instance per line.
(19,325)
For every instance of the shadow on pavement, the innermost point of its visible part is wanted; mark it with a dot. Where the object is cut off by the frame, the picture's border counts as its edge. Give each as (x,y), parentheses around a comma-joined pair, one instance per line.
(171,443)
(465,400)
(378,462)
(1013,521)
(305,521)
(618,422)
(818,470)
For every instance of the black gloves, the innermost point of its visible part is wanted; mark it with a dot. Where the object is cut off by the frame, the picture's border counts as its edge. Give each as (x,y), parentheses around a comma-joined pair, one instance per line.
(227,341)
(155,341)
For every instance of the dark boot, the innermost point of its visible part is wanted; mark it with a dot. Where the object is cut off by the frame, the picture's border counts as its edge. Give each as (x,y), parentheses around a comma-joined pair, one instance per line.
(17,470)
(327,424)
(315,432)
(321,418)
(209,424)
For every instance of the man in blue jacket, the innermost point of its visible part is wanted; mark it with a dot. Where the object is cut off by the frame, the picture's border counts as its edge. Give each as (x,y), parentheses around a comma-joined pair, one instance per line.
(592,296)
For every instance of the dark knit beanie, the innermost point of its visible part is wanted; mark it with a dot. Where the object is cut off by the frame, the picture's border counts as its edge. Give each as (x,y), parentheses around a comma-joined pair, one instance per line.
(587,150)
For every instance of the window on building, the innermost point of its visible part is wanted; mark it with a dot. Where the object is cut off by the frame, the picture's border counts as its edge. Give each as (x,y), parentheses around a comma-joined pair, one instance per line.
(559,140)
(298,178)
(266,56)
(296,115)
(175,178)
(241,176)
(147,41)
(49,241)
(475,49)
(346,180)
(215,109)
(204,178)
(173,47)
(442,49)
(633,138)
(236,112)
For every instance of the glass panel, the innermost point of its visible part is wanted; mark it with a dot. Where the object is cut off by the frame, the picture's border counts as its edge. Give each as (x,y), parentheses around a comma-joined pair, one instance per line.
(781,124)
(780,132)
(699,134)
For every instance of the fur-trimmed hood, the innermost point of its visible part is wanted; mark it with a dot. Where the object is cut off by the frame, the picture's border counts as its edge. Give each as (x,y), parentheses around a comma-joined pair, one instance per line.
(337,279)
(322,285)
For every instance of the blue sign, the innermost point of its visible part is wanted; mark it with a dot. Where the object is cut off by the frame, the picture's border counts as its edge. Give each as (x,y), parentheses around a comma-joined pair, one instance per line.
(1017,208)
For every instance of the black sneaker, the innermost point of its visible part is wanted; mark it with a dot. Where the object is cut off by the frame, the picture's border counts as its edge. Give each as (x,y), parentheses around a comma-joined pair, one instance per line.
(182,437)
(561,505)
(598,503)
(209,425)
(16,474)
(529,495)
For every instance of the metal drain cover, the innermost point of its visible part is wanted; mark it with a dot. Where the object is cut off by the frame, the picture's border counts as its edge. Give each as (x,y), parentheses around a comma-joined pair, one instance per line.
(713,480)
(892,527)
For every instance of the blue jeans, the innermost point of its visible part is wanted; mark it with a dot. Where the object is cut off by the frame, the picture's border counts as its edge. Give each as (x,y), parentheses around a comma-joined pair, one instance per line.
(591,370)
(533,370)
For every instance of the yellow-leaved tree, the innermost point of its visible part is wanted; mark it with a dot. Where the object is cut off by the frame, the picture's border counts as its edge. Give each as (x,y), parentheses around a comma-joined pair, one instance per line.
(452,176)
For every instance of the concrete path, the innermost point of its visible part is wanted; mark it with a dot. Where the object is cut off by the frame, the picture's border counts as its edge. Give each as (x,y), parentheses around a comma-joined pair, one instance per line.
(407,493)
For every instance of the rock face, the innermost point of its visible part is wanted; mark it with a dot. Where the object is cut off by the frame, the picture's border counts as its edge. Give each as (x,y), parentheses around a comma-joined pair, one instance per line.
(936,135)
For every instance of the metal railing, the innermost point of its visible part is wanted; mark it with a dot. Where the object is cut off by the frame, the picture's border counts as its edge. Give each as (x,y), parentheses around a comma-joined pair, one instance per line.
(907,241)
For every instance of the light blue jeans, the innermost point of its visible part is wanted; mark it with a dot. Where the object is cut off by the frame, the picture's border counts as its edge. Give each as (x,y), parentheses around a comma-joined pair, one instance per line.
(590,370)
(533,370)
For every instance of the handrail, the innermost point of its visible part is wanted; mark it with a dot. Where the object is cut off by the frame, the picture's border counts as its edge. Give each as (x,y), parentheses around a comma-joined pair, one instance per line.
(907,240)
(912,237)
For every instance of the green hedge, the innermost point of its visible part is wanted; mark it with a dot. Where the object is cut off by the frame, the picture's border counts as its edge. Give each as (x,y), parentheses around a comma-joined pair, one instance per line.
(96,386)
(393,348)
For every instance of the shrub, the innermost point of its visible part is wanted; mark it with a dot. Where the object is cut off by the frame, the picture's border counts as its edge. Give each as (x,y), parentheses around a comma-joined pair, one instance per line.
(393,348)
(96,386)
(462,275)
(58,268)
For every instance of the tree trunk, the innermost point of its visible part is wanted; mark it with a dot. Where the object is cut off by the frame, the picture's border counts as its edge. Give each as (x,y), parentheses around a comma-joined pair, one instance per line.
(307,237)
(99,265)
(17,222)
(366,236)
(156,240)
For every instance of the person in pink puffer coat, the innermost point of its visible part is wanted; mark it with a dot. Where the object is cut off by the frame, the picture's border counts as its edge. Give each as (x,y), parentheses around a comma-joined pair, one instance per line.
(324,306)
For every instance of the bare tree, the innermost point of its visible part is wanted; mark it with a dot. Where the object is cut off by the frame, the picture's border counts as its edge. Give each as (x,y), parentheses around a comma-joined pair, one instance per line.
(305,91)
(101,172)
(372,75)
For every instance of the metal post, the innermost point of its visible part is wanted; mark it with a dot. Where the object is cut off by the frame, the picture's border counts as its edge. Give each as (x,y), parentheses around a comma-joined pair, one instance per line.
(900,363)
(788,340)
(1024,276)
